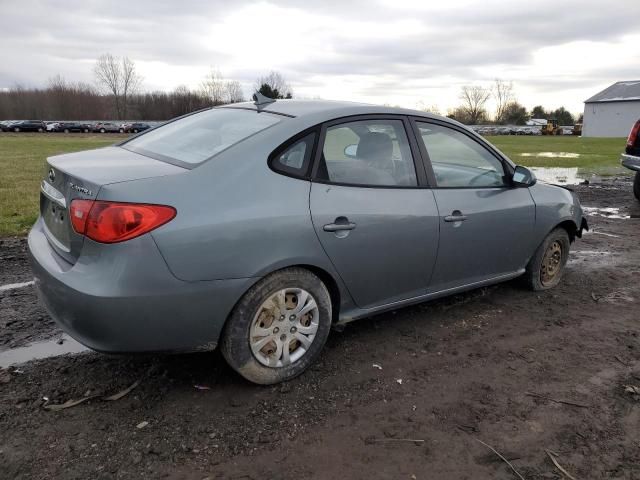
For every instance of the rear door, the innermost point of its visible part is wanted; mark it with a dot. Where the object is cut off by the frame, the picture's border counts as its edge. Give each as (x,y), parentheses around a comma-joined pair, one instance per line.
(485,223)
(371,211)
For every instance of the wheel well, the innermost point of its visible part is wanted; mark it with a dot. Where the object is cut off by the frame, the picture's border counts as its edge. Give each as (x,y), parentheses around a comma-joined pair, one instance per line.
(332,286)
(570,227)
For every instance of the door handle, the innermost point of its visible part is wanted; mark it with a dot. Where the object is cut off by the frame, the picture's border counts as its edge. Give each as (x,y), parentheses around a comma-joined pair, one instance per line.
(456,216)
(340,224)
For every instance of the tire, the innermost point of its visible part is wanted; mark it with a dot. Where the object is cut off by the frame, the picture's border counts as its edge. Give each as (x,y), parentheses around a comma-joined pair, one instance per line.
(16,129)
(135,131)
(102,130)
(86,130)
(253,312)
(542,272)
(40,130)
(121,130)
(636,186)
(66,130)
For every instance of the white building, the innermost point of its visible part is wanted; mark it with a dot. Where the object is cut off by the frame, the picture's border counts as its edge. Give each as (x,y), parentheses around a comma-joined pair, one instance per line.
(613,111)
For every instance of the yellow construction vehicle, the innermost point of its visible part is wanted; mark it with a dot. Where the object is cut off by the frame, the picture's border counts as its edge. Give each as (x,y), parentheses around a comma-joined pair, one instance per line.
(552,128)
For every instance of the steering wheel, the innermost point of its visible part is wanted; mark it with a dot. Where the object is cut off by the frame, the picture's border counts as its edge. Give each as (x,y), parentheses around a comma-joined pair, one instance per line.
(478,177)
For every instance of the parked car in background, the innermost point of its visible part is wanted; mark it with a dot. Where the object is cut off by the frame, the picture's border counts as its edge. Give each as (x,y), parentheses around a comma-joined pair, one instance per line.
(73,127)
(258,228)
(51,126)
(107,127)
(631,158)
(135,127)
(5,125)
(28,126)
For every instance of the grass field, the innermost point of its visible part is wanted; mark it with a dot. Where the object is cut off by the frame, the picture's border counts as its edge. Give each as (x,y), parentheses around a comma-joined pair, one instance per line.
(599,155)
(22,163)
(22,167)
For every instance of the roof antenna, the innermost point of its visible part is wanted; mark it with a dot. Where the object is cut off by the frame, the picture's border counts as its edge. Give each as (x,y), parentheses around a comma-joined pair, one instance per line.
(261,100)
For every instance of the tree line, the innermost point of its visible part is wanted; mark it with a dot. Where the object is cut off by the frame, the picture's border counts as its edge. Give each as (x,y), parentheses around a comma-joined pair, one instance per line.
(473,107)
(116,94)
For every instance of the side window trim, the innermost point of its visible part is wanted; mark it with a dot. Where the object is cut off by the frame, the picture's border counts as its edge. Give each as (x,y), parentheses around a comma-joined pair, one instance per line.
(418,164)
(508,168)
(306,173)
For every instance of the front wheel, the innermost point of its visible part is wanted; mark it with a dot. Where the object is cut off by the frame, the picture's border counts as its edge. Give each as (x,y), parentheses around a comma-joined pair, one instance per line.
(279,327)
(636,186)
(545,268)
(102,130)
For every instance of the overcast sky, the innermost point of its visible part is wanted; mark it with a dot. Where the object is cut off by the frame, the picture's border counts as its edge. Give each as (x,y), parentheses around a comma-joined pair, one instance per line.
(399,52)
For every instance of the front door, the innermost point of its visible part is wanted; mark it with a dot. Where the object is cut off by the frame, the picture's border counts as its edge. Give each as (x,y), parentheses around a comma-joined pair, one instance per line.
(486,225)
(375,222)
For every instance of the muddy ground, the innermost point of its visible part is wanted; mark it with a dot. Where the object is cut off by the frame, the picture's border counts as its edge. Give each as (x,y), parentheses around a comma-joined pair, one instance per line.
(494,365)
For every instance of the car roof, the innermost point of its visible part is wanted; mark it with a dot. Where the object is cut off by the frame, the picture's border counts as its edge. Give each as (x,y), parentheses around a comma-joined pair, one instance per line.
(329,109)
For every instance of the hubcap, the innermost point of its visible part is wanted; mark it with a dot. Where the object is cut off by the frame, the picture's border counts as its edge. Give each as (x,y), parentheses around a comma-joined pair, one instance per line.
(551,263)
(284,327)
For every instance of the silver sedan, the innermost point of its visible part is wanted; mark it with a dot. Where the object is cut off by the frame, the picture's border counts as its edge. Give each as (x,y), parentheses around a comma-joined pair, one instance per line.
(258,226)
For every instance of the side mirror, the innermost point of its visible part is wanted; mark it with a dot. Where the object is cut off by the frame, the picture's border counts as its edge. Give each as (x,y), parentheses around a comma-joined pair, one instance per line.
(523,177)
(351,151)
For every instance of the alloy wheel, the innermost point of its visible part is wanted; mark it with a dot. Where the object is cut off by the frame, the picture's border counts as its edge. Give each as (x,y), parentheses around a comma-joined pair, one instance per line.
(284,327)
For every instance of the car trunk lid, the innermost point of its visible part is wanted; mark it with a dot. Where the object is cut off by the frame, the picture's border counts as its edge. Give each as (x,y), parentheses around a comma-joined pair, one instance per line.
(81,175)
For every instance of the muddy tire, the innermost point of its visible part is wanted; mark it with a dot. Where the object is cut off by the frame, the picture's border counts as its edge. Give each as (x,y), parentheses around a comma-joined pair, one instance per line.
(636,186)
(278,328)
(546,267)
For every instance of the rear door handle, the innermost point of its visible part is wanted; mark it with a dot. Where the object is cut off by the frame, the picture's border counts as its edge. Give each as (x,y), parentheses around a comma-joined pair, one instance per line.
(456,216)
(340,224)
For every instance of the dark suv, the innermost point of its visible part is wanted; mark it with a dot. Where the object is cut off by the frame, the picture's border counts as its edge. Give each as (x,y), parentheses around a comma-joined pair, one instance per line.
(72,127)
(28,126)
(631,158)
(135,127)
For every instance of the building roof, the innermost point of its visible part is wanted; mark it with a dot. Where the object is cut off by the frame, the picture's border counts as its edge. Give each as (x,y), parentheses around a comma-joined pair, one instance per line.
(618,92)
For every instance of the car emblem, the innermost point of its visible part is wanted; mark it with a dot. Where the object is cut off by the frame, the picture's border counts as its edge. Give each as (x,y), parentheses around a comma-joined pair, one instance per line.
(52,175)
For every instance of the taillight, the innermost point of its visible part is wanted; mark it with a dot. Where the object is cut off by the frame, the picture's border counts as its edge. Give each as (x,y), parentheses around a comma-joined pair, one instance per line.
(633,135)
(112,222)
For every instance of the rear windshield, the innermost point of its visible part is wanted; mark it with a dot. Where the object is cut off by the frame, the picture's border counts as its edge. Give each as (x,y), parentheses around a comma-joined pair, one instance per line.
(198,137)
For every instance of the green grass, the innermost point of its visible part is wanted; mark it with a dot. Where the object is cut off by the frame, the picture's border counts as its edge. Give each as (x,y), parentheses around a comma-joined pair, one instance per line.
(598,155)
(22,167)
(23,161)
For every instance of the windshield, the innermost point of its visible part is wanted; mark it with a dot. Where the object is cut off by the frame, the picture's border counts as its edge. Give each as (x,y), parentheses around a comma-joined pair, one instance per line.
(198,137)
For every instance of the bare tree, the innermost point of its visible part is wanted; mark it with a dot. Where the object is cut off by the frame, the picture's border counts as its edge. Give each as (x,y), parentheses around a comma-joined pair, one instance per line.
(503,95)
(117,76)
(213,87)
(233,92)
(273,85)
(474,99)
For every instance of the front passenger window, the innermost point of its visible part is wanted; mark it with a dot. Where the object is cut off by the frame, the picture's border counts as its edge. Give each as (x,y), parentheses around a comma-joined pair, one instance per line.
(459,161)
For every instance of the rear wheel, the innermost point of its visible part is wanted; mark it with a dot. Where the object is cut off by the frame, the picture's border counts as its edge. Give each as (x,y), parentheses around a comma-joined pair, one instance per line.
(545,268)
(636,186)
(102,130)
(279,327)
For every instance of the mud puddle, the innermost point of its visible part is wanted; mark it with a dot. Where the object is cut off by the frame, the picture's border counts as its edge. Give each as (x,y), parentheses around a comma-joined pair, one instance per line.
(37,350)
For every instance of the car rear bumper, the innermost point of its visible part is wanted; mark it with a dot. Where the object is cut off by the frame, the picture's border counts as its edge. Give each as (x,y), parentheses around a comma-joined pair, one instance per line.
(122,297)
(631,162)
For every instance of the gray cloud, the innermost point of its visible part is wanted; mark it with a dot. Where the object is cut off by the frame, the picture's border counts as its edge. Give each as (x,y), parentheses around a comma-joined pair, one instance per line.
(41,39)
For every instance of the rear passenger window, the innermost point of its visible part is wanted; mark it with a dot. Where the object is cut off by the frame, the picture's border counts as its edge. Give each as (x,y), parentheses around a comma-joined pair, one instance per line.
(295,159)
(369,153)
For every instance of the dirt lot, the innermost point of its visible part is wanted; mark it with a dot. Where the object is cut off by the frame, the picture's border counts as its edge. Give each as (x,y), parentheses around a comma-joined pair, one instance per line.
(483,366)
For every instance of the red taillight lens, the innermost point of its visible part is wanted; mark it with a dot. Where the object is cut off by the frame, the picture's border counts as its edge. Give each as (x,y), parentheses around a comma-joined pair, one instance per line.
(112,222)
(633,135)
